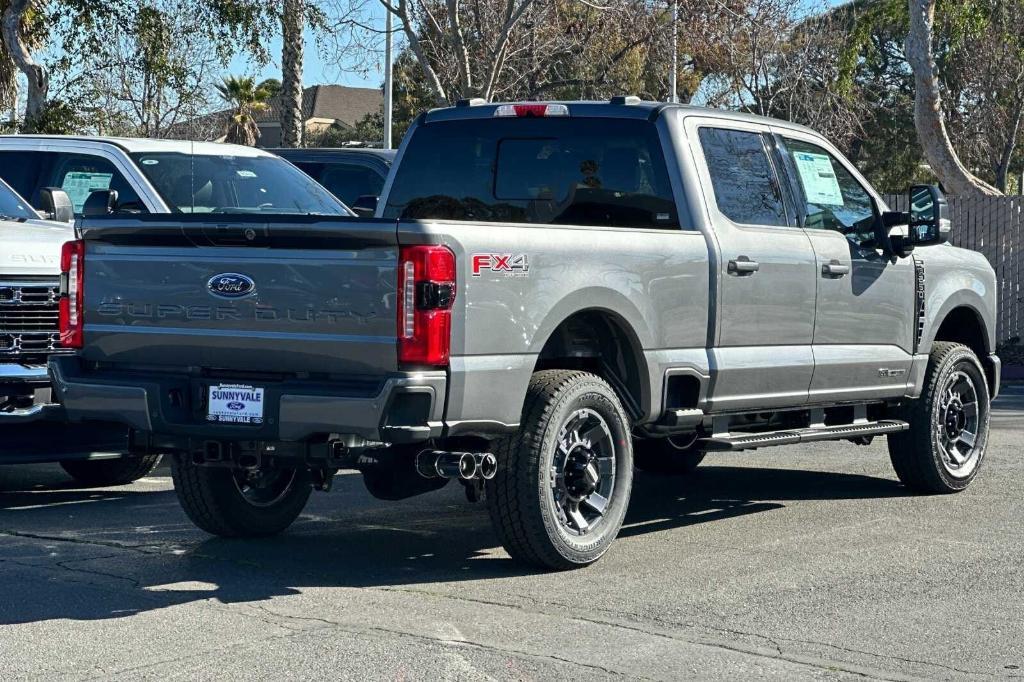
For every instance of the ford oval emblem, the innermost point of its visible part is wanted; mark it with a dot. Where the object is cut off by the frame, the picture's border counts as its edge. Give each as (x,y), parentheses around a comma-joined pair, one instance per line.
(236,406)
(231,285)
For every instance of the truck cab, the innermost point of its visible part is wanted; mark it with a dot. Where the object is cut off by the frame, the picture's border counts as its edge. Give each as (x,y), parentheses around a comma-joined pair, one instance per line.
(158,176)
(550,294)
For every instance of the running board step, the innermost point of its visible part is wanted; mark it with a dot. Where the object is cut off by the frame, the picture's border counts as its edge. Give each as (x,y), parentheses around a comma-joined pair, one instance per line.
(749,441)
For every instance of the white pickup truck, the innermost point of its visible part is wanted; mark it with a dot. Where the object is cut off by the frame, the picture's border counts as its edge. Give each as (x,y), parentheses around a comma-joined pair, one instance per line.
(160,176)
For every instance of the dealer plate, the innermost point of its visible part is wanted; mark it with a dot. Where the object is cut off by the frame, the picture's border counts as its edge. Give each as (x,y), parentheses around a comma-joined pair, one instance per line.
(235,404)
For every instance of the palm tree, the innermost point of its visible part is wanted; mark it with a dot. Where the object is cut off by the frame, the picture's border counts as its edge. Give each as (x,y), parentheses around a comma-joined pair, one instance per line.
(246,98)
(292,24)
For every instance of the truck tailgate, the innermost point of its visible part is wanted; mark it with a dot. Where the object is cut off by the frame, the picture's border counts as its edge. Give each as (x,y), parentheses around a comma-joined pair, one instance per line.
(297,295)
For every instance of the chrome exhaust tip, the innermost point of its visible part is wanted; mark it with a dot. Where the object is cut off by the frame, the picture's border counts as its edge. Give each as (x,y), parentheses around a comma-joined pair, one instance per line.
(463,465)
(486,465)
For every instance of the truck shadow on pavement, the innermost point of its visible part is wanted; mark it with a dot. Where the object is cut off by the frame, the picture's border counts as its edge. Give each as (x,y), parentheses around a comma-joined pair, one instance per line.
(100,554)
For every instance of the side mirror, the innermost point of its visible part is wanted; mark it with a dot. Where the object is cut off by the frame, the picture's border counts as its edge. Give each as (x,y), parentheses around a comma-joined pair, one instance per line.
(365,206)
(928,217)
(100,203)
(56,204)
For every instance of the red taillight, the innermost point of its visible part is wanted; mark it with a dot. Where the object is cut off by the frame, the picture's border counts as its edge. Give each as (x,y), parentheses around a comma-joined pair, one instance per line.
(426,291)
(72,265)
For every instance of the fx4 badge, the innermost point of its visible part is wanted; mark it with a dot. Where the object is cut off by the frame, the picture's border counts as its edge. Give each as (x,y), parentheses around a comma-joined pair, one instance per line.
(886,372)
(509,264)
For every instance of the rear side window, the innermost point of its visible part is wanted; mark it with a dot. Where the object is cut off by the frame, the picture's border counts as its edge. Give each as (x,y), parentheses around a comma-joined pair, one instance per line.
(746,188)
(560,171)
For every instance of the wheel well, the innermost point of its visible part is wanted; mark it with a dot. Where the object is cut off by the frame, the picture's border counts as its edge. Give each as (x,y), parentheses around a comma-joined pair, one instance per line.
(963,325)
(599,342)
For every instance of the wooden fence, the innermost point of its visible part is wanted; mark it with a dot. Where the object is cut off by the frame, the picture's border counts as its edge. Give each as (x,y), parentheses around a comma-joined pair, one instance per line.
(994,227)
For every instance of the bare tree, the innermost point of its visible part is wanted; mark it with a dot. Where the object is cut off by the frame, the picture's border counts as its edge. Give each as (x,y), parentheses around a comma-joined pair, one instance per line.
(493,24)
(928,116)
(147,80)
(292,43)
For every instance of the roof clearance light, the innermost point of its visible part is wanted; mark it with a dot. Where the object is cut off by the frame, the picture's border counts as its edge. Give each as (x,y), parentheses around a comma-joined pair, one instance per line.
(531,110)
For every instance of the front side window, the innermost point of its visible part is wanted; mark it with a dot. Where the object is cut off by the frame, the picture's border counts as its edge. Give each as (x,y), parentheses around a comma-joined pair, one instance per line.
(81,174)
(746,188)
(834,199)
(235,184)
(557,171)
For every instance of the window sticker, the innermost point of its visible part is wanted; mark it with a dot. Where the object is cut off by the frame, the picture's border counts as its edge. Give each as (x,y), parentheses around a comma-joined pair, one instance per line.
(818,178)
(79,184)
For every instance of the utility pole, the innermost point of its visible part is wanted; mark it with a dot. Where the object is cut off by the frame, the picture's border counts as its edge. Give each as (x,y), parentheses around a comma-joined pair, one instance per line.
(674,95)
(388,84)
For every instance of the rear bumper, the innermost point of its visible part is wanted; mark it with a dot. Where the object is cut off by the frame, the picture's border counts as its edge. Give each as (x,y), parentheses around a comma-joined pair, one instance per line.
(399,408)
(15,373)
(30,381)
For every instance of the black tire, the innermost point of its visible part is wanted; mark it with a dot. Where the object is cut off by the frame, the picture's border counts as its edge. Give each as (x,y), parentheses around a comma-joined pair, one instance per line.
(532,496)
(212,498)
(666,456)
(104,472)
(926,458)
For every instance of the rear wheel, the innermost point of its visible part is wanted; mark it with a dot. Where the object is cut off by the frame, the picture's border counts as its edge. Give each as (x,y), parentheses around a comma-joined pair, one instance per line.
(563,482)
(240,502)
(103,472)
(944,447)
(672,456)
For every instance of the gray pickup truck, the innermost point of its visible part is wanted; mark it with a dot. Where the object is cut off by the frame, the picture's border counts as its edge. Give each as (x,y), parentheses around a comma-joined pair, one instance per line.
(550,295)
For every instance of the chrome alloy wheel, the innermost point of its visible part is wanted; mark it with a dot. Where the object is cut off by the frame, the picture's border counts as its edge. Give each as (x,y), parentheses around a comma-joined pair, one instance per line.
(957,425)
(583,472)
(263,487)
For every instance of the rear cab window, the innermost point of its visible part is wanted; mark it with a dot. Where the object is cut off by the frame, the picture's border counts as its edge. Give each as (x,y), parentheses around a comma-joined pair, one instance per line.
(232,184)
(607,172)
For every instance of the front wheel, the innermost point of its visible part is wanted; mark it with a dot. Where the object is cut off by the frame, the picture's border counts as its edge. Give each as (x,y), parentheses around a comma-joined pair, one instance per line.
(943,449)
(243,503)
(104,472)
(564,479)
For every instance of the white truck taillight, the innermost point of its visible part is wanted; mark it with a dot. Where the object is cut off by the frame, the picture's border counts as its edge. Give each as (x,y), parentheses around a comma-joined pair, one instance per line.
(72,265)
(426,292)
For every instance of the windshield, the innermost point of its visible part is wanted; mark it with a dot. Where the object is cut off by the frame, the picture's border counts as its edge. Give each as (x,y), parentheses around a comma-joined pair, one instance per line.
(13,207)
(235,184)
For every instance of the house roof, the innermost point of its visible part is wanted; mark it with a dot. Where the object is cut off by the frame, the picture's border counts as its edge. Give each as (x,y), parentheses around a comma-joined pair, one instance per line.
(333,102)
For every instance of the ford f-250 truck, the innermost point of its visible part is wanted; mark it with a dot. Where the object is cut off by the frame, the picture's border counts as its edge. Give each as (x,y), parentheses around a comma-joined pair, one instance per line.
(550,295)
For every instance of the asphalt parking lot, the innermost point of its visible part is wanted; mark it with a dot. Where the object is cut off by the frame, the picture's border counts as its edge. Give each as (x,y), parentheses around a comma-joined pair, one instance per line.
(806,562)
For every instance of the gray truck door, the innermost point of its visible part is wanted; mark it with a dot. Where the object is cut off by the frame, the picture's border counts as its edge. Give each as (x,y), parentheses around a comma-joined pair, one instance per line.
(760,352)
(864,326)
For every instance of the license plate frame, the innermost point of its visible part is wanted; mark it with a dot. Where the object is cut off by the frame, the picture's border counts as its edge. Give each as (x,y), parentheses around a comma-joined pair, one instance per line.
(235,404)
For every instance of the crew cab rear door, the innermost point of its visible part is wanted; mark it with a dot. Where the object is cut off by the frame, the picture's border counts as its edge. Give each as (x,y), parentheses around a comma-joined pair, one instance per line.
(865,309)
(288,294)
(761,350)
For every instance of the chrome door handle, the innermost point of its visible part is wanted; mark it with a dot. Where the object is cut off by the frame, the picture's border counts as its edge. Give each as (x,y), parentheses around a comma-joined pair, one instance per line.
(743,266)
(835,269)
